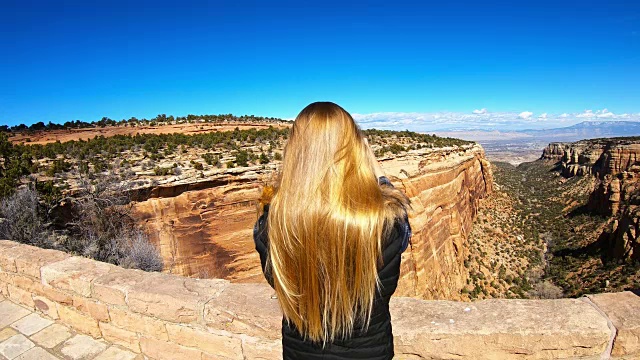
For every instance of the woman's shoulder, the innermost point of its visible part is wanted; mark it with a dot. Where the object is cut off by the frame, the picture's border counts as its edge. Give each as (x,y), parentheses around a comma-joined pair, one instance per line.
(260,227)
(397,237)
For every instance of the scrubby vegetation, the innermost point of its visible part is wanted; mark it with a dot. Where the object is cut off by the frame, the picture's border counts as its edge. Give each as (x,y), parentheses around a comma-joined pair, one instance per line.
(396,142)
(161,119)
(506,254)
(576,261)
(100,227)
(533,239)
(127,155)
(22,219)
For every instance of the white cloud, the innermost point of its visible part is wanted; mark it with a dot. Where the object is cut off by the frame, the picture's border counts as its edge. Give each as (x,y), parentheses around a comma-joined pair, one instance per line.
(480,120)
(481,111)
(604,114)
(586,114)
(525,114)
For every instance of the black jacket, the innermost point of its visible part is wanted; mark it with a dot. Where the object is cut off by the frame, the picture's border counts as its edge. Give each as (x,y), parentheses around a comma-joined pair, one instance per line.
(374,344)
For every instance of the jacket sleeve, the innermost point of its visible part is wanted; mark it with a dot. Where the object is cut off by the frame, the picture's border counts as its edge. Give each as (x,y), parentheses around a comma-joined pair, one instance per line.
(383,180)
(261,240)
(406,233)
(405,230)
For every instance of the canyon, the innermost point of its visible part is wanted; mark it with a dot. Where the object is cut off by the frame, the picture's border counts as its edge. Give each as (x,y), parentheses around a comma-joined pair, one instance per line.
(194,189)
(467,228)
(203,227)
(615,163)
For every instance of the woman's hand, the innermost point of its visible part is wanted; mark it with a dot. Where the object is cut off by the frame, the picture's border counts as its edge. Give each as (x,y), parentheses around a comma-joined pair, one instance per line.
(377,169)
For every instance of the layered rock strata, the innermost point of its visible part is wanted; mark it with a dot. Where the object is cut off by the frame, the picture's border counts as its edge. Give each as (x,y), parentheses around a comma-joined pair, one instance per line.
(444,188)
(204,228)
(616,164)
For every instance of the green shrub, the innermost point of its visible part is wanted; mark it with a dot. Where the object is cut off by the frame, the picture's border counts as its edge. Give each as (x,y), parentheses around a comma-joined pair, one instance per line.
(160,171)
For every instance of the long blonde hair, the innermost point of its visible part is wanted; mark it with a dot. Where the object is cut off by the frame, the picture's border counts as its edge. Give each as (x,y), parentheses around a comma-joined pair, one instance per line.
(326,225)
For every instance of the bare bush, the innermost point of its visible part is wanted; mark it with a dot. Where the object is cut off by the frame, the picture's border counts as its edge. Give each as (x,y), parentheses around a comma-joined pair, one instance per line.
(140,253)
(105,230)
(101,213)
(545,290)
(148,164)
(102,227)
(21,219)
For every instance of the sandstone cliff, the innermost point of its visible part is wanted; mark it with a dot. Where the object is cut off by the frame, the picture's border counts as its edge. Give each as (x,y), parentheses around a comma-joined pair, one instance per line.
(444,187)
(204,228)
(615,163)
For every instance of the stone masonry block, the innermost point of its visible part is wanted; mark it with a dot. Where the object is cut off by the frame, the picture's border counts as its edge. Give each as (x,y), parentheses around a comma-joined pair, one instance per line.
(173,298)
(161,350)
(57,296)
(4,291)
(45,306)
(128,339)
(74,274)
(113,288)
(20,296)
(260,349)
(79,321)
(8,255)
(498,329)
(27,283)
(30,264)
(27,259)
(623,309)
(235,310)
(92,308)
(200,338)
(141,324)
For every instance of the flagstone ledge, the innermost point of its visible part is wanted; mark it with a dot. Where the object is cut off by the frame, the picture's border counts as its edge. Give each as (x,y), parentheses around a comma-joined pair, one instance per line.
(167,316)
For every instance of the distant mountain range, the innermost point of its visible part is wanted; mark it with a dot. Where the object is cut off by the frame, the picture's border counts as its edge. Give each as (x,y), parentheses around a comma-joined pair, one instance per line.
(583,130)
(590,130)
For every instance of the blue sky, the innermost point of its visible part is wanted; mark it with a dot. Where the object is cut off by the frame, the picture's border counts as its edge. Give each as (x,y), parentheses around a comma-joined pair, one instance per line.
(380,60)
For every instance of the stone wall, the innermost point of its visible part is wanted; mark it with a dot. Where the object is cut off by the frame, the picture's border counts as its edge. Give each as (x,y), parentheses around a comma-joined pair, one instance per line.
(164,316)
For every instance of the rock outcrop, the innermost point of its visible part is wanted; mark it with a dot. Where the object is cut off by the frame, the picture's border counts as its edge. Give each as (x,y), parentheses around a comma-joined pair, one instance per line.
(553,151)
(444,187)
(616,164)
(204,228)
(599,157)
